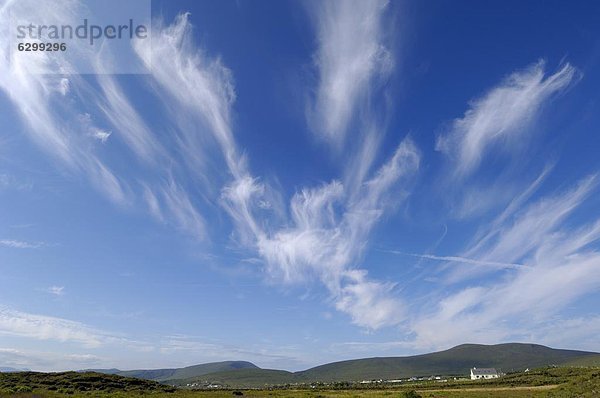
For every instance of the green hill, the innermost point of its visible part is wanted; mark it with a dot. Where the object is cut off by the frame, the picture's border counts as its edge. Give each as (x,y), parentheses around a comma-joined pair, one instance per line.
(249,378)
(112,371)
(183,373)
(455,361)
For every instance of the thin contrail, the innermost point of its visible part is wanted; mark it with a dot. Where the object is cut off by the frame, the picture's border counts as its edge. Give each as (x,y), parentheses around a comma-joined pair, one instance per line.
(460,260)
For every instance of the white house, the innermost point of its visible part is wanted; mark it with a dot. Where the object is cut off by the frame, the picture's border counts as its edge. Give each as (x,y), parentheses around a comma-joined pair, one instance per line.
(484,373)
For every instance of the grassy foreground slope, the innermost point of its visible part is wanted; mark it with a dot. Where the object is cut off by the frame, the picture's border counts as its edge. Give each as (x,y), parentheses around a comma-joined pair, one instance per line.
(541,383)
(71,382)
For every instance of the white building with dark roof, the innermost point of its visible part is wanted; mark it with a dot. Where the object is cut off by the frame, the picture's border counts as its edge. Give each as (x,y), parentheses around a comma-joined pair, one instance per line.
(484,373)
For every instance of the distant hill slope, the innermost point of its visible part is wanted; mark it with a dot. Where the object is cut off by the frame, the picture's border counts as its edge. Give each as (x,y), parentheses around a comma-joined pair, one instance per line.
(249,378)
(112,371)
(455,361)
(182,373)
(9,369)
(588,360)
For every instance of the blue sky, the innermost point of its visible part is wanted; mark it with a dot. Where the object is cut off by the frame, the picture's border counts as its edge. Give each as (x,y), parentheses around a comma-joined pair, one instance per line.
(302,182)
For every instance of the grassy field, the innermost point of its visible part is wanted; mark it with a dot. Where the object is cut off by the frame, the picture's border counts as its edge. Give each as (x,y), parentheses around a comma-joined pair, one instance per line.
(547,383)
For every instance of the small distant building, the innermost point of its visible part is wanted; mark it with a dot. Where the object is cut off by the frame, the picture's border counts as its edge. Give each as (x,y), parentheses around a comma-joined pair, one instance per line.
(484,373)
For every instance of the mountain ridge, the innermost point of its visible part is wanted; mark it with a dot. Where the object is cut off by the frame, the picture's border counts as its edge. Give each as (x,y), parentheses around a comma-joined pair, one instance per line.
(8,369)
(179,373)
(454,361)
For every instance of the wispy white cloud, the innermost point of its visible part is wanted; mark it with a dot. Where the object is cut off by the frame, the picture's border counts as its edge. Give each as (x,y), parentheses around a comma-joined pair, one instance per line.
(561,258)
(198,93)
(48,361)
(179,207)
(82,344)
(201,86)
(576,333)
(153,204)
(369,348)
(171,204)
(328,227)
(22,328)
(41,327)
(327,234)
(103,179)
(8,181)
(351,55)
(502,116)
(38,94)
(514,205)
(512,242)
(370,304)
(65,86)
(63,115)
(56,290)
(101,135)
(460,260)
(127,122)
(18,244)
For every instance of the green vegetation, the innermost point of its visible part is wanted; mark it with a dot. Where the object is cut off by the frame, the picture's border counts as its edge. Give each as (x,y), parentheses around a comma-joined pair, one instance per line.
(68,383)
(588,360)
(556,382)
(247,378)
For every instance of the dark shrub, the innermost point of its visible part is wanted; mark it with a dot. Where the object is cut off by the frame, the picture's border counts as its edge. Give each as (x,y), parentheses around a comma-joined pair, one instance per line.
(23,389)
(410,394)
